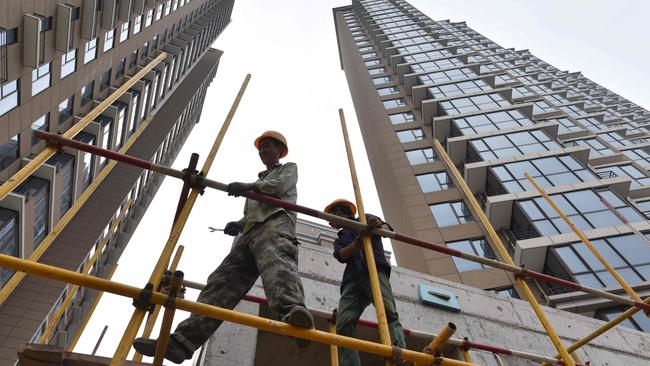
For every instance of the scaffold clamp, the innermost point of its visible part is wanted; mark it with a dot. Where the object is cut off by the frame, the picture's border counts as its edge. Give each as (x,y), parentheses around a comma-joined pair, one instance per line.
(143,302)
(194,179)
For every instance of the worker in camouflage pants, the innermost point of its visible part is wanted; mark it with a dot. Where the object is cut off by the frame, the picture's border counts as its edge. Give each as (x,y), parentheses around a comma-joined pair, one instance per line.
(267,246)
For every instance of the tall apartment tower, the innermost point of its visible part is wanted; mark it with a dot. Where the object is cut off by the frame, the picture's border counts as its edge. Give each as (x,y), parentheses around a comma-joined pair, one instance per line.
(59,60)
(499,113)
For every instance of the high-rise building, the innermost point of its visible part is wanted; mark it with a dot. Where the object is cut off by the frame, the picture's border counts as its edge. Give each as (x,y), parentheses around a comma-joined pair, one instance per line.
(58,61)
(498,112)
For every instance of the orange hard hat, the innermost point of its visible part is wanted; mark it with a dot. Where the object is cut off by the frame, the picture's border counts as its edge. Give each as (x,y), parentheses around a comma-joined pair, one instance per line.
(276,136)
(341,202)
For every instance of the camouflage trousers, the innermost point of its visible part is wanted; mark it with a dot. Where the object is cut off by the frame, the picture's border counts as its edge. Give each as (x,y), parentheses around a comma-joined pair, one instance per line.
(356,295)
(269,249)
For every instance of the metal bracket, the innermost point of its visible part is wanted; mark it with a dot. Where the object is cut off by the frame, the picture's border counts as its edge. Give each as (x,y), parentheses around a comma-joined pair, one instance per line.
(194,179)
(143,302)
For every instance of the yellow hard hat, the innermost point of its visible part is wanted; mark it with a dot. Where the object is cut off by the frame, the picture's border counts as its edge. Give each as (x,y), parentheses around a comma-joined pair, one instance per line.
(341,202)
(276,136)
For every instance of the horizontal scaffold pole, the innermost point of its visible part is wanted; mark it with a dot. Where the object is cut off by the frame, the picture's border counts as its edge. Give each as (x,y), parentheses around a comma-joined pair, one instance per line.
(199,180)
(267,325)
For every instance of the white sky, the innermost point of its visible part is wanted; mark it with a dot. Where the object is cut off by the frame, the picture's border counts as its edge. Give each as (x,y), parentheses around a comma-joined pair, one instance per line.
(290,49)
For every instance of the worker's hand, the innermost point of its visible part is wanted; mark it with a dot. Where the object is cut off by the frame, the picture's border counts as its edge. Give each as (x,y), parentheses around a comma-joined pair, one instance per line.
(233,228)
(237,188)
(374,223)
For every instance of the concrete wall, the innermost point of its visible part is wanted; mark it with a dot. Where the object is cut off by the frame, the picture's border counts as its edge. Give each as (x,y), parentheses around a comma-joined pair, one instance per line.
(484,317)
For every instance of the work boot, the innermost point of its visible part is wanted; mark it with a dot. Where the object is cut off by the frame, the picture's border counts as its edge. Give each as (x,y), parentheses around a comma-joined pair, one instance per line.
(298,316)
(175,352)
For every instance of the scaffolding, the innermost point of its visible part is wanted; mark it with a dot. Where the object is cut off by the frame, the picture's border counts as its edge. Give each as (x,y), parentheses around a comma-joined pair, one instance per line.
(169,295)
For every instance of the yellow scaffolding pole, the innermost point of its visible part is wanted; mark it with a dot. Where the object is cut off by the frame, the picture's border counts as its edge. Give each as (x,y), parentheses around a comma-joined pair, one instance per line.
(73,290)
(151,319)
(584,239)
(566,357)
(384,334)
(334,351)
(138,315)
(267,325)
(41,158)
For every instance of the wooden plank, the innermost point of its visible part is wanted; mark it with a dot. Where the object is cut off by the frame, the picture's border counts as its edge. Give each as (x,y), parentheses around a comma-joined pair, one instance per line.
(33,354)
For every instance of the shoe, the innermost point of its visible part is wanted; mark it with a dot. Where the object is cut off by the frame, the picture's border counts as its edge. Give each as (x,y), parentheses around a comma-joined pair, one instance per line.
(175,352)
(298,316)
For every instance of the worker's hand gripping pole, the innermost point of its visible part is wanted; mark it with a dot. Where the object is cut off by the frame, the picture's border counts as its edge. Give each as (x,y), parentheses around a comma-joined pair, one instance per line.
(384,334)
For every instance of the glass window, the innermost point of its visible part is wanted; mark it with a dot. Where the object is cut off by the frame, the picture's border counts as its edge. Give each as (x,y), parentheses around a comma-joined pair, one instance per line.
(478,247)
(637,177)
(512,144)
(148,19)
(105,80)
(68,63)
(87,160)
(451,213)
(388,91)
(399,118)
(87,93)
(38,191)
(382,80)
(394,103)
(506,292)
(41,79)
(109,40)
(448,75)
(415,134)
(548,172)
(65,109)
(119,68)
(432,182)
(41,124)
(473,104)
(90,50)
(65,170)
(137,24)
(159,9)
(124,32)
(421,156)
(8,240)
(9,152)
(8,96)
(586,209)
(377,70)
(120,123)
(596,148)
(489,122)
(465,87)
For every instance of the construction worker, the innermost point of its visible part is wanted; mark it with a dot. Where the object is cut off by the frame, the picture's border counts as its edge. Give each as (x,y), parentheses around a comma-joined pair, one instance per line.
(267,246)
(356,293)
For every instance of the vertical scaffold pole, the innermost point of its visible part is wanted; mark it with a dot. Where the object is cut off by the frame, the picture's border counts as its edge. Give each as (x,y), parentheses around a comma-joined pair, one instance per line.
(555,339)
(384,334)
(138,315)
(334,351)
(151,319)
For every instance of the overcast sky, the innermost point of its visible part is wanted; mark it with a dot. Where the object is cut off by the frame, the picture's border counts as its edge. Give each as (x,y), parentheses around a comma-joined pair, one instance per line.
(297,86)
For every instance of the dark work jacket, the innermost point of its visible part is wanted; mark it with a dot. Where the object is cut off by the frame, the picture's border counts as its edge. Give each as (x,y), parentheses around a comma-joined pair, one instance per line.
(356,263)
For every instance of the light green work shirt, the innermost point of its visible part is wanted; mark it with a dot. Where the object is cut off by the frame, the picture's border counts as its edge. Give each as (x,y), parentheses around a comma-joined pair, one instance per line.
(279,182)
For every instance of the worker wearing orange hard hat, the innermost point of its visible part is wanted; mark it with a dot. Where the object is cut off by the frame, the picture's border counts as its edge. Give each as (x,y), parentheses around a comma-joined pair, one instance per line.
(356,293)
(265,245)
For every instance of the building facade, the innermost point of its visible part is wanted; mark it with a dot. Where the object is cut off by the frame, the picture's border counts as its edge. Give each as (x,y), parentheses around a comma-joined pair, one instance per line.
(59,60)
(481,316)
(499,113)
